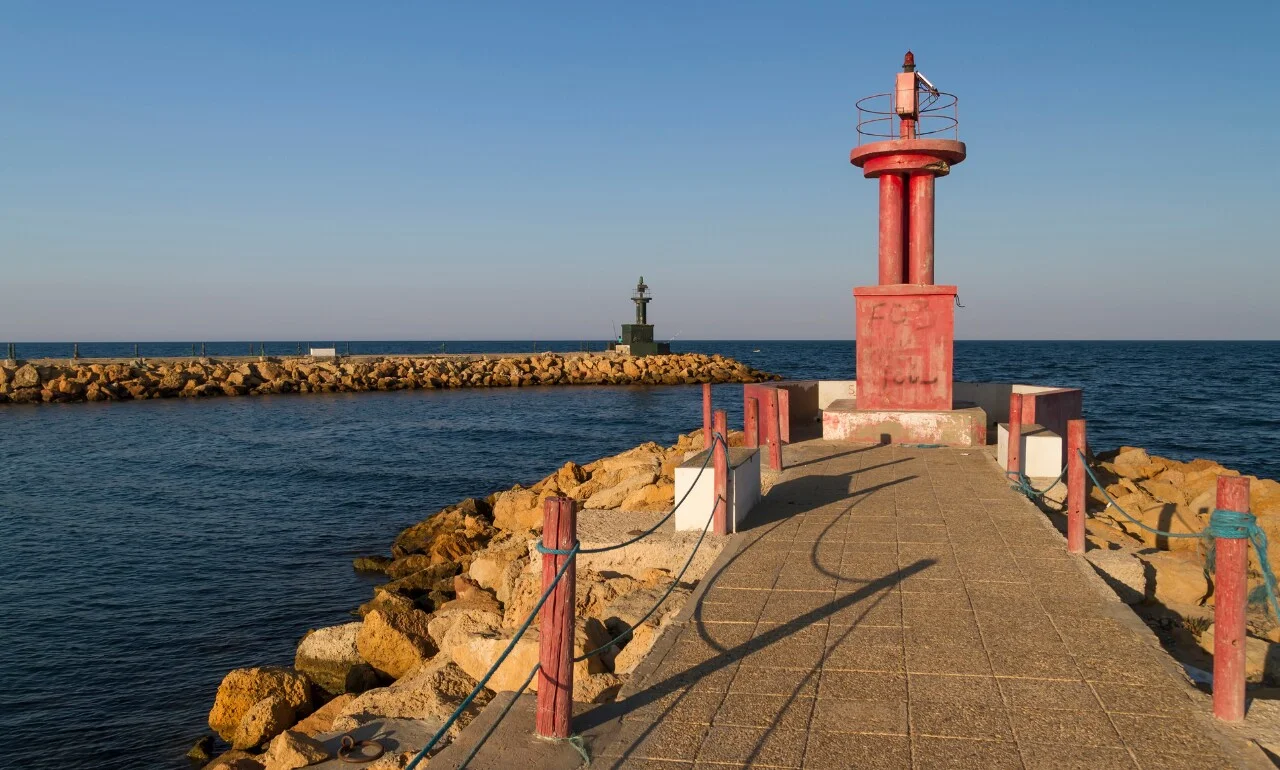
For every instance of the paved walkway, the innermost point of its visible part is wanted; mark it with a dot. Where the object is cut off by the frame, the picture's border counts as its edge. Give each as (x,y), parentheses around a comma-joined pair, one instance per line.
(903,608)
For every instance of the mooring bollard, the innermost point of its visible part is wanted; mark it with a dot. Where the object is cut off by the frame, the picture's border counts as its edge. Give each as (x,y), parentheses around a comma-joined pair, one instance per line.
(1231,589)
(706,415)
(1014,446)
(555,647)
(1076,486)
(751,421)
(773,430)
(720,519)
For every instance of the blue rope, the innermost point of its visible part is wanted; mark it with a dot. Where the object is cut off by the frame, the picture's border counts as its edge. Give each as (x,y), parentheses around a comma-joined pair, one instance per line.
(489,674)
(1223,524)
(1023,484)
(716,438)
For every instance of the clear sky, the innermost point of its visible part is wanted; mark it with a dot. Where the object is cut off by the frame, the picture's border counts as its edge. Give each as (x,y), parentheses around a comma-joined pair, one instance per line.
(489,171)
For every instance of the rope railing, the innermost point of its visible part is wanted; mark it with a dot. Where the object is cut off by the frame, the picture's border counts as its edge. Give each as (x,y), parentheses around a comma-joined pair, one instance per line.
(1224,524)
(572,554)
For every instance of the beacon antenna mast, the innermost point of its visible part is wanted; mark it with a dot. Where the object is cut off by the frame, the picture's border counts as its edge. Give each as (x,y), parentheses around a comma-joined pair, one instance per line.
(915,109)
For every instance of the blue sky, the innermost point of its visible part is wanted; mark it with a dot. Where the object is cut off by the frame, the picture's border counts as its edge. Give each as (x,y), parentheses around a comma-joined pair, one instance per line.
(489,171)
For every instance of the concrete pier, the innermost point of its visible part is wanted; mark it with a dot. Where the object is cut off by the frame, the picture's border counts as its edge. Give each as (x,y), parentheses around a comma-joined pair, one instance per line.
(893,607)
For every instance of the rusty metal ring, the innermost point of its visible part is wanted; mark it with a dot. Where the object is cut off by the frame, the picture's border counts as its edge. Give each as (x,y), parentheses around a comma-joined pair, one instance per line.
(350,744)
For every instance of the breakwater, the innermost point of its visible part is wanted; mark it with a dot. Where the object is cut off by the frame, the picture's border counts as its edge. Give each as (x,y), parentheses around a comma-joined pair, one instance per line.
(121,380)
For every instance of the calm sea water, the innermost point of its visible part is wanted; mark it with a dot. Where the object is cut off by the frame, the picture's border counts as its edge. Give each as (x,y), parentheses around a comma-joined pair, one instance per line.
(150,547)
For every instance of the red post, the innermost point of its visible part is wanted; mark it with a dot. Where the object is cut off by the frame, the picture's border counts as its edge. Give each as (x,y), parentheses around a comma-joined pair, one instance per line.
(751,421)
(555,651)
(706,415)
(1231,591)
(920,238)
(892,199)
(773,431)
(1076,486)
(1014,454)
(720,521)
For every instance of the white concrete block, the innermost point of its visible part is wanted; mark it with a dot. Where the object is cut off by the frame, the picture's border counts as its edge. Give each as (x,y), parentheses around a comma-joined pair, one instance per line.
(1041,450)
(744,489)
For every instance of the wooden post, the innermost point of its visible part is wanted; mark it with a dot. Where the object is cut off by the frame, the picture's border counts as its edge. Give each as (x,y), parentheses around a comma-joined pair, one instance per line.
(1014,454)
(706,415)
(751,421)
(720,521)
(1231,589)
(773,431)
(555,679)
(1077,486)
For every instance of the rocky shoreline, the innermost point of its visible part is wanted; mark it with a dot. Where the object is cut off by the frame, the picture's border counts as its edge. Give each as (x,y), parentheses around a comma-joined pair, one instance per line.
(459,583)
(43,382)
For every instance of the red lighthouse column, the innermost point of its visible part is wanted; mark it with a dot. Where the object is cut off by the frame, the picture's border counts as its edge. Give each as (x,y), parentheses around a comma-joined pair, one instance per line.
(920,265)
(892,229)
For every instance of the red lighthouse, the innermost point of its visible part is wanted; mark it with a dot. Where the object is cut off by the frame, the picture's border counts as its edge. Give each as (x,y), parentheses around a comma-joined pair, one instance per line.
(907,139)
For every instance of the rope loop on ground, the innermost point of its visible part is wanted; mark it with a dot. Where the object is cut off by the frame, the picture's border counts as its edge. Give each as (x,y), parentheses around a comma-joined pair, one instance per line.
(1022,483)
(1223,525)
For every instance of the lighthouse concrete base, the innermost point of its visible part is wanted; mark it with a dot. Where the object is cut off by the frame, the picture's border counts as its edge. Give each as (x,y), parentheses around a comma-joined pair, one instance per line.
(963,426)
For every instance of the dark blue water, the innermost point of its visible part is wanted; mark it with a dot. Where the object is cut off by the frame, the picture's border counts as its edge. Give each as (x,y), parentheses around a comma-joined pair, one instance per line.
(152,546)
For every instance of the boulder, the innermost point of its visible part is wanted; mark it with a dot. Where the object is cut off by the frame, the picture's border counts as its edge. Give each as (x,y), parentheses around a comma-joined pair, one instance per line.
(429,692)
(393,643)
(321,721)
(291,750)
(524,595)
(612,496)
(235,759)
(26,376)
(202,751)
(263,721)
(387,602)
(408,565)
(438,577)
(489,567)
(370,563)
(1177,580)
(244,687)
(329,656)
(654,497)
(1261,657)
(461,529)
(518,510)
(474,654)
(470,616)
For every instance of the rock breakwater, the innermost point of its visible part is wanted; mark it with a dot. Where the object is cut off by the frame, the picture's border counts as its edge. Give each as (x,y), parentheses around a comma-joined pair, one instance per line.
(60,382)
(459,584)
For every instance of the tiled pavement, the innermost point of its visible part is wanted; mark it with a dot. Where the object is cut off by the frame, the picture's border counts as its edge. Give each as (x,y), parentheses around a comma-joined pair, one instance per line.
(902,608)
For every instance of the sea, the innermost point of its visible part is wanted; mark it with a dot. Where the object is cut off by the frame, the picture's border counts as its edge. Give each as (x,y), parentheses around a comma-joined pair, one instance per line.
(150,547)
